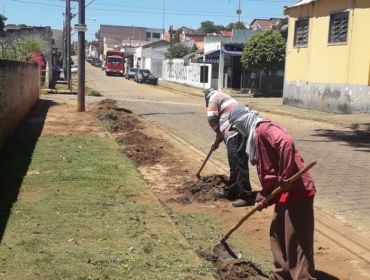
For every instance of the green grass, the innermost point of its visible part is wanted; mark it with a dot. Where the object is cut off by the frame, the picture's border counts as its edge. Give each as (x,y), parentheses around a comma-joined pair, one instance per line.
(94,93)
(107,119)
(84,212)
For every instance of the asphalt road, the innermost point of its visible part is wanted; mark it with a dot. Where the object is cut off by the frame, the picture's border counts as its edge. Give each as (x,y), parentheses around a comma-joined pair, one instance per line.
(342,175)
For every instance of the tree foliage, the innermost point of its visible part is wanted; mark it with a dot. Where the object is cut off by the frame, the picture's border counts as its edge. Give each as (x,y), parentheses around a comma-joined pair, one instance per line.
(236,25)
(178,51)
(265,51)
(209,27)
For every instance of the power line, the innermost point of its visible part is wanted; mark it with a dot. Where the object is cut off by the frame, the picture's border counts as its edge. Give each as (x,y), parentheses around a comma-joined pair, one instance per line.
(43,5)
(88,4)
(160,11)
(177,13)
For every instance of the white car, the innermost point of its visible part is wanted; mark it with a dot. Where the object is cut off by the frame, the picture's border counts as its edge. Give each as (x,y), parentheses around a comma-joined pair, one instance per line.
(74,69)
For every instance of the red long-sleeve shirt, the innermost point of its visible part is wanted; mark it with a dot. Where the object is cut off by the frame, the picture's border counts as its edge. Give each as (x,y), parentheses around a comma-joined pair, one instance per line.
(278,159)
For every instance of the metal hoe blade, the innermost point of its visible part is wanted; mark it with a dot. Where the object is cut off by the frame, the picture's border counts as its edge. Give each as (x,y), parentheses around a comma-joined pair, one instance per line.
(223,251)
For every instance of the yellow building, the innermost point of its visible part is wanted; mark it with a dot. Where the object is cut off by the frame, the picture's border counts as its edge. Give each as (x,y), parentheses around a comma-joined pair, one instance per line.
(328,55)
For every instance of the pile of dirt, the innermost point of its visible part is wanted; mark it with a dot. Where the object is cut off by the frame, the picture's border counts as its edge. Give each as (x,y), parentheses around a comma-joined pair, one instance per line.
(238,269)
(136,137)
(143,155)
(124,123)
(141,148)
(202,190)
(233,269)
(107,104)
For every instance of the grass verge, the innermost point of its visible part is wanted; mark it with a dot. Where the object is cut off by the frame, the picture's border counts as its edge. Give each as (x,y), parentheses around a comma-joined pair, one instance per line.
(84,212)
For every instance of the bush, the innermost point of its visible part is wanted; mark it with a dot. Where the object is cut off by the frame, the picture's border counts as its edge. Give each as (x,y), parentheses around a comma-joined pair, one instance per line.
(95,93)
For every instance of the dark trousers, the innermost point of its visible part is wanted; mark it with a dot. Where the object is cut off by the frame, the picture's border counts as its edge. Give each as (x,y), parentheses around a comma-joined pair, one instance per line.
(239,186)
(291,237)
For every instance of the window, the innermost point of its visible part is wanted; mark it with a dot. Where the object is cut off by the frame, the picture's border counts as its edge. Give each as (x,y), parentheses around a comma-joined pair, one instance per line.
(301,32)
(338,29)
(156,35)
(114,60)
(148,35)
(204,74)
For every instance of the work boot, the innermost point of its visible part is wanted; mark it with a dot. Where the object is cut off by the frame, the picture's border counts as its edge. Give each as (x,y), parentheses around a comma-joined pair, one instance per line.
(224,194)
(246,200)
(241,203)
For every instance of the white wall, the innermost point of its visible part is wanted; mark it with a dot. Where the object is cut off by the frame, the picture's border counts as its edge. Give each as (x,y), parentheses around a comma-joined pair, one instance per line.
(174,70)
(211,46)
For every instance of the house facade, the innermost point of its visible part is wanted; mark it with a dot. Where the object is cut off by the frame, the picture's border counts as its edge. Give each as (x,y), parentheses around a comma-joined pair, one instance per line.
(264,24)
(119,33)
(153,55)
(328,55)
(224,54)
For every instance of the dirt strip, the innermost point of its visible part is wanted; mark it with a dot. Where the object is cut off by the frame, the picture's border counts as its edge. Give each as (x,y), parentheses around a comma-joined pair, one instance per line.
(146,150)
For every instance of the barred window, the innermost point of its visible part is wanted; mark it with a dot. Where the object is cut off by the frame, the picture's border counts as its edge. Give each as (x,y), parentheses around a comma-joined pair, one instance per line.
(301,32)
(338,29)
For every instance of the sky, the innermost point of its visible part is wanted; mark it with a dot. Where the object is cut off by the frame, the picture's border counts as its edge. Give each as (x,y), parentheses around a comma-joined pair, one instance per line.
(145,13)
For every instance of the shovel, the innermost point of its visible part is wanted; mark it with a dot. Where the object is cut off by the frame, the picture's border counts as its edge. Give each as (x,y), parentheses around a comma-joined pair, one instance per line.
(224,251)
(204,162)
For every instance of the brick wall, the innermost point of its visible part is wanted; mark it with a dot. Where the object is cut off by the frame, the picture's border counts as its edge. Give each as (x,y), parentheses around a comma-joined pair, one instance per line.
(19,91)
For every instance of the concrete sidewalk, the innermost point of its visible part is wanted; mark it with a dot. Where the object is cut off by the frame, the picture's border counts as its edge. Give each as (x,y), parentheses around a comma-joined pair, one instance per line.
(275,106)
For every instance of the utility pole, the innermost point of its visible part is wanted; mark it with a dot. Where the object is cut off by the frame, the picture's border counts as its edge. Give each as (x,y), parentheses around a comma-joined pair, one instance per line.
(81,27)
(163,18)
(68,42)
(64,49)
(239,11)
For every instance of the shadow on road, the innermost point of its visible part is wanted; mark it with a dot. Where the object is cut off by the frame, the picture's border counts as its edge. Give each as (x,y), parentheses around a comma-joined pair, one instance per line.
(357,138)
(16,156)
(321,275)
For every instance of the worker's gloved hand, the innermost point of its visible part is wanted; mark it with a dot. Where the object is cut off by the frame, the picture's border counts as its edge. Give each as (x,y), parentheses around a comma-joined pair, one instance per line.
(215,145)
(284,184)
(258,203)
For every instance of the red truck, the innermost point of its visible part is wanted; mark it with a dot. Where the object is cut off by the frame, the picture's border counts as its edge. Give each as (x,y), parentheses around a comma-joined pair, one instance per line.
(114,63)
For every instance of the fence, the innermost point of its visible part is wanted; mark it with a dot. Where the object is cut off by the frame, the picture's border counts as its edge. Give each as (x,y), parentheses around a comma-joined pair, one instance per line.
(192,74)
(263,82)
(19,90)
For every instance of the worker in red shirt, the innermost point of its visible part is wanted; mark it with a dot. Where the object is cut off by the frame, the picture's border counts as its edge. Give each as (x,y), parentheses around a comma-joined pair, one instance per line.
(272,150)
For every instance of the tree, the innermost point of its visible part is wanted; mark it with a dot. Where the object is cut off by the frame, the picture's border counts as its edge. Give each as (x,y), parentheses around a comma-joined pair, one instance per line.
(236,25)
(209,27)
(178,51)
(265,51)
(2,22)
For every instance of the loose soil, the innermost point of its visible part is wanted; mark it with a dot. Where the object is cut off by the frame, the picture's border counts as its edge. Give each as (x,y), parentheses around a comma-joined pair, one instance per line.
(141,148)
(201,190)
(238,269)
(234,269)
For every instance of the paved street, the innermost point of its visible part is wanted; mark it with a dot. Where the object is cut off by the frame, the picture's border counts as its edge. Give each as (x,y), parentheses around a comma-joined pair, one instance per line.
(342,175)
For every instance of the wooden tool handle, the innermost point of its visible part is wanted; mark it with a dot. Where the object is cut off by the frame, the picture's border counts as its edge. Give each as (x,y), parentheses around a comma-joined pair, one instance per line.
(204,162)
(268,199)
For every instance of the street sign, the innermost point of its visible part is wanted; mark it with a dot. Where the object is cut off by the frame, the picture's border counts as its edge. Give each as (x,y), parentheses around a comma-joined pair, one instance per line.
(80,27)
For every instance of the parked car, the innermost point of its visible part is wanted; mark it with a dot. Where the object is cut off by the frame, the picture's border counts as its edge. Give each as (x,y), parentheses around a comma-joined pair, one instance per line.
(89,59)
(74,69)
(144,76)
(97,62)
(131,72)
